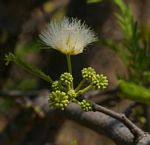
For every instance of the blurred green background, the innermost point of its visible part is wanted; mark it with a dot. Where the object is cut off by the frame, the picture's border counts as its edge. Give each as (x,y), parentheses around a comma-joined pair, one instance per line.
(122,53)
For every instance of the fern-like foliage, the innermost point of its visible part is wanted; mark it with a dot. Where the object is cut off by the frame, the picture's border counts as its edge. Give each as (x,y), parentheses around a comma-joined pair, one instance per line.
(28,67)
(134,48)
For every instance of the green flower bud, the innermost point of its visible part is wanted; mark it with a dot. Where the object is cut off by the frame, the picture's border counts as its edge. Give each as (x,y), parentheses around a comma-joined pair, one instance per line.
(55,86)
(86,105)
(72,95)
(99,81)
(66,78)
(88,73)
(58,99)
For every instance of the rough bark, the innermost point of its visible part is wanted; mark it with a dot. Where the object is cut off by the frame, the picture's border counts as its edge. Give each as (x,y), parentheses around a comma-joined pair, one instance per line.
(96,121)
(105,125)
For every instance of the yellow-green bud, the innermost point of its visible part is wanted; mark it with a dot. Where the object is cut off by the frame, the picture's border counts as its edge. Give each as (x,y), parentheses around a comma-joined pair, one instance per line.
(66,78)
(55,86)
(88,73)
(99,81)
(58,99)
(85,105)
(72,95)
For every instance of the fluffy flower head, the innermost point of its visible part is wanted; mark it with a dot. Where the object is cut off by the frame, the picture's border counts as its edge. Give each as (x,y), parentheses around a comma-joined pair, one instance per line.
(68,36)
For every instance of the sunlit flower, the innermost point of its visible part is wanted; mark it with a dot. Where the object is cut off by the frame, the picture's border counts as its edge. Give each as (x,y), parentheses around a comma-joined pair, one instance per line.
(68,36)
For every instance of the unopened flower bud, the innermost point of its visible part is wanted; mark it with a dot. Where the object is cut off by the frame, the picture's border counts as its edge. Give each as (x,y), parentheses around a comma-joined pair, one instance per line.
(88,73)
(58,99)
(99,81)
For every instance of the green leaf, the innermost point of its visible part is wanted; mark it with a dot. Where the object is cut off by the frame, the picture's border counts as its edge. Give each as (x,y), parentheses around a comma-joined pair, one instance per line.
(121,5)
(28,67)
(93,1)
(134,92)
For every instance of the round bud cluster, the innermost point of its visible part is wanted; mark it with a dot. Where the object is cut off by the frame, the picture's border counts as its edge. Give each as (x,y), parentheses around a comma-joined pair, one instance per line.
(66,78)
(99,81)
(55,86)
(85,105)
(88,73)
(58,100)
(72,95)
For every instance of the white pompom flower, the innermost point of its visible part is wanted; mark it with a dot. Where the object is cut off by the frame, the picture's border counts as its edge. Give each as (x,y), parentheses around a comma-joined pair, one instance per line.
(69,36)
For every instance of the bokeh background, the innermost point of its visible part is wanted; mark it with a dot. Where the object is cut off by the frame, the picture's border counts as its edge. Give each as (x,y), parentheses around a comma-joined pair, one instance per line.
(22,95)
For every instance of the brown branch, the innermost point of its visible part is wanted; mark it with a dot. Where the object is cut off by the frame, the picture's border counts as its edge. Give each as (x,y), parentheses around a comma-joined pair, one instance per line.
(98,93)
(16,94)
(106,125)
(111,124)
(35,100)
(137,132)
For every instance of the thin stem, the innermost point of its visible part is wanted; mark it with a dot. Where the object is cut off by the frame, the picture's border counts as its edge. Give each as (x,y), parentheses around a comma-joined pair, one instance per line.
(121,117)
(69,64)
(28,67)
(84,90)
(80,85)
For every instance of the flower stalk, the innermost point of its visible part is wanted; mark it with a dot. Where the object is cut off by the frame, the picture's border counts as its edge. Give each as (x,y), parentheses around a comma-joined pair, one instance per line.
(69,66)
(80,92)
(80,85)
